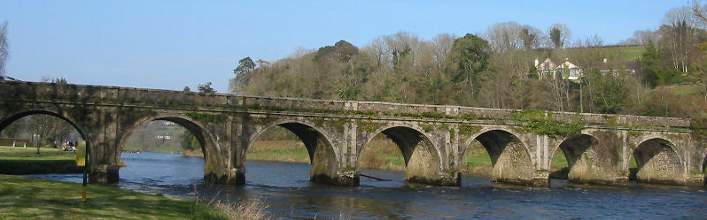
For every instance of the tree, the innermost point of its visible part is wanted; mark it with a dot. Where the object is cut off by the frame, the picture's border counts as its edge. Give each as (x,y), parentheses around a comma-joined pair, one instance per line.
(559,35)
(643,37)
(469,58)
(678,36)
(188,141)
(206,88)
(342,51)
(530,36)
(610,91)
(186,89)
(3,48)
(505,36)
(651,67)
(242,73)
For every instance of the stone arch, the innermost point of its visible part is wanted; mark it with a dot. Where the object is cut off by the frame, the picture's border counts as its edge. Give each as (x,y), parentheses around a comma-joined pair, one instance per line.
(510,156)
(421,155)
(658,161)
(574,148)
(319,145)
(206,139)
(214,164)
(670,143)
(4,122)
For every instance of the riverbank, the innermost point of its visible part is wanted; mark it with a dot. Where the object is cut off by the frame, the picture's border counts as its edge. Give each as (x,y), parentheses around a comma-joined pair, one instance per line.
(19,160)
(27,198)
(380,153)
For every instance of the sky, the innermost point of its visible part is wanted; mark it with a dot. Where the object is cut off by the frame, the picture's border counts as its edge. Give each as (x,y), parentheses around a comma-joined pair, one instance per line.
(172,44)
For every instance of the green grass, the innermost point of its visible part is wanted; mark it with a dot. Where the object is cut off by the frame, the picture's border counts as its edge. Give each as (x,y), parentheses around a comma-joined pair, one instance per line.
(685,90)
(30,153)
(279,150)
(477,161)
(558,161)
(20,160)
(380,153)
(626,53)
(27,198)
(631,53)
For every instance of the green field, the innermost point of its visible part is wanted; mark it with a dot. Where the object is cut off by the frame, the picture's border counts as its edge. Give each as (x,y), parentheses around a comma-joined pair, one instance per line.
(379,154)
(30,153)
(17,160)
(27,198)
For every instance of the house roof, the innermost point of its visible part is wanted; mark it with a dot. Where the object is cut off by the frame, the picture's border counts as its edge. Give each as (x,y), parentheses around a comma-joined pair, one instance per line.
(569,65)
(546,65)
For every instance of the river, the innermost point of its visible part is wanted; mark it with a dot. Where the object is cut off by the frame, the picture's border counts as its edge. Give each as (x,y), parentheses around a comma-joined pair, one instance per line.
(285,187)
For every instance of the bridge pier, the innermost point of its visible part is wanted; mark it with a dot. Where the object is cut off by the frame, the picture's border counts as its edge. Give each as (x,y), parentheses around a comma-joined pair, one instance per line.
(346,178)
(443,179)
(104,174)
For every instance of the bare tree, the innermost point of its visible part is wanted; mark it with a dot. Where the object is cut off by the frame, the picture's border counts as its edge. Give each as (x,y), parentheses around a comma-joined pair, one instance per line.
(505,36)
(3,48)
(678,35)
(531,37)
(559,35)
(643,37)
(442,45)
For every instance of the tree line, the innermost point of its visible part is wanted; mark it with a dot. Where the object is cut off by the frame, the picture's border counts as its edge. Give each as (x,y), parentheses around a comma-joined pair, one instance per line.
(655,72)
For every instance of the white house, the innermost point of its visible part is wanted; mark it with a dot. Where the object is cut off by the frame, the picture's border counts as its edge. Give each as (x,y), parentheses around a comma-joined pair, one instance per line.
(565,70)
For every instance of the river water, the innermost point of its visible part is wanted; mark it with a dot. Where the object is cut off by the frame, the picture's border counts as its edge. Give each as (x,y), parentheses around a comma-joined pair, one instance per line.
(285,187)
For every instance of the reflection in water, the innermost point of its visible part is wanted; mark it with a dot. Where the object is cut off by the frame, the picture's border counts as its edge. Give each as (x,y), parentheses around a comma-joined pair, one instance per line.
(287,190)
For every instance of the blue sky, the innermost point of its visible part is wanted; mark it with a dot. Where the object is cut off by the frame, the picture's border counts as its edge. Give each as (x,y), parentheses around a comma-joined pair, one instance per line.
(172,44)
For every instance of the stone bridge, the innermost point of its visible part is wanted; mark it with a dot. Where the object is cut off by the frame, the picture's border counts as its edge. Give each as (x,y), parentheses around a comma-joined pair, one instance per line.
(432,138)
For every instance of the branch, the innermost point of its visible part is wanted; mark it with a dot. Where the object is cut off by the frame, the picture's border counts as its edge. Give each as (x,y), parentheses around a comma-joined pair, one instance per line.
(697,10)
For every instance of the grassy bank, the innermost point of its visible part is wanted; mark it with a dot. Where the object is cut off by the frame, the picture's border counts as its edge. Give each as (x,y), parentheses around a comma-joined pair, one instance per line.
(26,198)
(30,153)
(18,160)
(381,153)
(278,150)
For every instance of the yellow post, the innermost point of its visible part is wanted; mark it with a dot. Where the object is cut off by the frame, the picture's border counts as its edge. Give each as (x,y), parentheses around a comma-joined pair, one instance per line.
(83,194)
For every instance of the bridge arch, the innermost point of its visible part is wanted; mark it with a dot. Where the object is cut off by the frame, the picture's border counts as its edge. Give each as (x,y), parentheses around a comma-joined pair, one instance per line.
(658,161)
(421,155)
(4,122)
(88,159)
(213,163)
(206,139)
(322,155)
(510,157)
(573,148)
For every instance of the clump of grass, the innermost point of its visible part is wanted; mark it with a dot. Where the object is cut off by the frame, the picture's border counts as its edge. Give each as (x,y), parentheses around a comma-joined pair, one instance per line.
(253,209)
(29,198)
